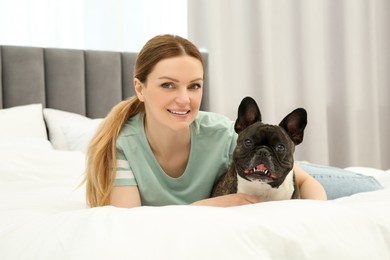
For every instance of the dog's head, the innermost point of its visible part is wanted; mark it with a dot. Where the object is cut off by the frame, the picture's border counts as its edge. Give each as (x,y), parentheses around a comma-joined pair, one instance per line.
(264,152)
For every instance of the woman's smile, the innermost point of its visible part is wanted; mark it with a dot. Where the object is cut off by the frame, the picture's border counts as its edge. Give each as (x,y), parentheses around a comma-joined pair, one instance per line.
(180,113)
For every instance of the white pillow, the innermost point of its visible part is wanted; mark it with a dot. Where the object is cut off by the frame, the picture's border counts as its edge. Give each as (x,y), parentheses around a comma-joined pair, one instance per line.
(23,122)
(10,144)
(70,131)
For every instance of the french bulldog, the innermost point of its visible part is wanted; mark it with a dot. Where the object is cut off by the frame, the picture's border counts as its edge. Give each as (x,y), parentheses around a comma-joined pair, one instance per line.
(263,160)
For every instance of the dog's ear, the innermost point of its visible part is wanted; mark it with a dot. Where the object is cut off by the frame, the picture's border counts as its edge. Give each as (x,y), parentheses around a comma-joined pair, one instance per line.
(248,113)
(294,124)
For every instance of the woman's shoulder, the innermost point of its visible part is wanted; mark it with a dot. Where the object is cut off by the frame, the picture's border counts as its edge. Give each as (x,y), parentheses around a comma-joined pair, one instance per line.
(211,120)
(132,126)
(214,132)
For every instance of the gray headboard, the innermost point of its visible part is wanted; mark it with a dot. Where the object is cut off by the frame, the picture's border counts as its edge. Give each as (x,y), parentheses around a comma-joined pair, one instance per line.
(86,82)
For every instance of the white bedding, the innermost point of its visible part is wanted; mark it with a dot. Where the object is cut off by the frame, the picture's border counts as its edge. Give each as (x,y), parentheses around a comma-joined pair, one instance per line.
(43,216)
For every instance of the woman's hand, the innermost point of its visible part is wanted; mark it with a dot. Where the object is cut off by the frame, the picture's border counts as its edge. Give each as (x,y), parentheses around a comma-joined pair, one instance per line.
(230,200)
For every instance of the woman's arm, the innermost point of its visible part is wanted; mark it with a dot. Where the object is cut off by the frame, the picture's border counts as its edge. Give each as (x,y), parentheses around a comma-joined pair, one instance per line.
(125,197)
(309,187)
(236,199)
(129,197)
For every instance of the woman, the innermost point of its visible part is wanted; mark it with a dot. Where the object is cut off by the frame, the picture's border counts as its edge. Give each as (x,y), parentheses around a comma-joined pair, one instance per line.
(157,148)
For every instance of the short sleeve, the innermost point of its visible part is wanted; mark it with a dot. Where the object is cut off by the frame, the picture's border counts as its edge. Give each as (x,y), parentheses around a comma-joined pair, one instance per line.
(124,174)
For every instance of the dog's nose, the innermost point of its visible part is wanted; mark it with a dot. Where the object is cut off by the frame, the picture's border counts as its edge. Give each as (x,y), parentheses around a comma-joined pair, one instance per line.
(263,152)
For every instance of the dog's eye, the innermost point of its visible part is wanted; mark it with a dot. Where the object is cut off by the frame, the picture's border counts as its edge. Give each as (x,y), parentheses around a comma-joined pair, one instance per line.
(248,143)
(280,148)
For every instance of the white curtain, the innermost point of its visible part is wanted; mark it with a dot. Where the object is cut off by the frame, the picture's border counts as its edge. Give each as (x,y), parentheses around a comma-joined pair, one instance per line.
(329,56)
(41,23)
(116,25)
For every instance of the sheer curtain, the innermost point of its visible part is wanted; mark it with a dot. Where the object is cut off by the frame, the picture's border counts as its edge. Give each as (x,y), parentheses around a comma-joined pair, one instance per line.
(117,25)
(42,23)
(329,56)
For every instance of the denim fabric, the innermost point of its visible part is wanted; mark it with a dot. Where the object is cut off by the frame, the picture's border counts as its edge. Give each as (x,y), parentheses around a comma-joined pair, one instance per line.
(338,182)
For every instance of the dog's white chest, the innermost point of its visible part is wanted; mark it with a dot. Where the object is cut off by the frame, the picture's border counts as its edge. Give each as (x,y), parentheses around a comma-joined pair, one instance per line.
(265,191)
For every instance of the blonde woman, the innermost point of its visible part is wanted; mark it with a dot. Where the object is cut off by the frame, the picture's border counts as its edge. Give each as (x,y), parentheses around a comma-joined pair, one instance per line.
(157,148)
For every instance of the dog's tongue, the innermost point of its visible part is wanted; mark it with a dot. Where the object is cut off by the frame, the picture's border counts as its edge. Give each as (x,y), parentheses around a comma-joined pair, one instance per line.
(261,167)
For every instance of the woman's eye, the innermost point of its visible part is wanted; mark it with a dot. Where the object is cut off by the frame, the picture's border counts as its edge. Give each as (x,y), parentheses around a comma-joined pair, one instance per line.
(195,86)
(280,148)
(167,85)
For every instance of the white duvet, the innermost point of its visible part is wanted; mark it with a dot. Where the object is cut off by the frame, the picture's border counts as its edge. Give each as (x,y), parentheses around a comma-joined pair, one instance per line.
(43,216)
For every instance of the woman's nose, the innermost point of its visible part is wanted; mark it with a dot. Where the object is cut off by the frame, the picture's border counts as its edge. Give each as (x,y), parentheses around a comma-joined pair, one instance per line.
(182,96)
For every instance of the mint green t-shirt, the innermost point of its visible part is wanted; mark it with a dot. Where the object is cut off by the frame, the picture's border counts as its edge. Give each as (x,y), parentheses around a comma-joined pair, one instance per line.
(213,140)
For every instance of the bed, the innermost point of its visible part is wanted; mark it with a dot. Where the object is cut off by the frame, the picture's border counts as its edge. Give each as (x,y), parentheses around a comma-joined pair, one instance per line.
(51,102)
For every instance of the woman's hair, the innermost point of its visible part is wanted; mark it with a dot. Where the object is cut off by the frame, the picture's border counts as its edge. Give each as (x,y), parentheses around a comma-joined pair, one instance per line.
(101,156)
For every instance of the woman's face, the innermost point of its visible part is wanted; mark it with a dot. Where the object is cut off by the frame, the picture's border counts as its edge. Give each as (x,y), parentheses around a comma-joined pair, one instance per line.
(173,92)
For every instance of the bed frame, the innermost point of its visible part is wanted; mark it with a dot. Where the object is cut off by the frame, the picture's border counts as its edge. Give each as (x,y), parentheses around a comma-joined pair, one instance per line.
(85,82)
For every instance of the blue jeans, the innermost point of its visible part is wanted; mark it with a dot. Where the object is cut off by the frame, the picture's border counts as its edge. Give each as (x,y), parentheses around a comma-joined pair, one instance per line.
(338,182)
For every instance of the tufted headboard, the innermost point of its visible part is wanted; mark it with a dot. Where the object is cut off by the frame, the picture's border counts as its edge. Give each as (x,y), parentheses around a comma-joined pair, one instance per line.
(86,82)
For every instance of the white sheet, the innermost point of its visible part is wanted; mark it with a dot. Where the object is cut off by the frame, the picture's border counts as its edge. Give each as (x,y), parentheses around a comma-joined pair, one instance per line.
(43,216)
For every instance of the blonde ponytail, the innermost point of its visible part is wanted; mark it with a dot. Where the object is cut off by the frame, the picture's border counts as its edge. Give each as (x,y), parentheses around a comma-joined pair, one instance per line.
(101,161)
